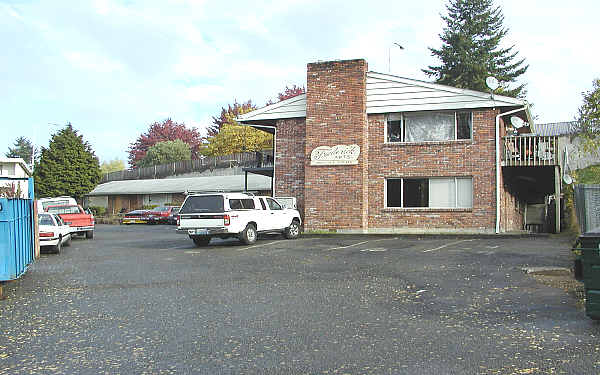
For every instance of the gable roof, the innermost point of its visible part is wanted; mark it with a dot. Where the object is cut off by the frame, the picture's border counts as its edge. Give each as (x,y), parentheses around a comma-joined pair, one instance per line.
(388,93)
(289,108)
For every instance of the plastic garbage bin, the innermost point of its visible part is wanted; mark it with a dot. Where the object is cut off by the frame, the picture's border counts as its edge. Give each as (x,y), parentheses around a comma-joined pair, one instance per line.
(589,247)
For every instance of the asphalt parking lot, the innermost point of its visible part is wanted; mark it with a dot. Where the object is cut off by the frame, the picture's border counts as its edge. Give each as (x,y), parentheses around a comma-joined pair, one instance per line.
(144,300)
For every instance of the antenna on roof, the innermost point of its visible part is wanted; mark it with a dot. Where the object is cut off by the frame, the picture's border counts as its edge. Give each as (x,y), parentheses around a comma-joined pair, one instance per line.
(390,55)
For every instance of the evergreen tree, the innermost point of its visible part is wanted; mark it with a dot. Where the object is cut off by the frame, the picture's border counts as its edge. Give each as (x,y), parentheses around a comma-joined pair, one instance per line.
(23,149)
(471,50)
(67,167)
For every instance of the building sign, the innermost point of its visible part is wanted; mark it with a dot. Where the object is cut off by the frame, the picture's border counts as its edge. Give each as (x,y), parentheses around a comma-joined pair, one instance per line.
(336,155)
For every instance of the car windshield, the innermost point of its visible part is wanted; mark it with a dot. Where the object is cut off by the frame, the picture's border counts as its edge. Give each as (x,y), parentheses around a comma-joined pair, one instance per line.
(161,209)
(203,203)
(45,220)
(63,210)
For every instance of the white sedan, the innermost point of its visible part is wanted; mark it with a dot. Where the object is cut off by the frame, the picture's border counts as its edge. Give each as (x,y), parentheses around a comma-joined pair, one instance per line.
(54,233)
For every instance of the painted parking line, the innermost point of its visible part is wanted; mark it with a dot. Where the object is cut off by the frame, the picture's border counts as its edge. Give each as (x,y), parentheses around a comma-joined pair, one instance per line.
(360,243)
(446,245)
(259,245)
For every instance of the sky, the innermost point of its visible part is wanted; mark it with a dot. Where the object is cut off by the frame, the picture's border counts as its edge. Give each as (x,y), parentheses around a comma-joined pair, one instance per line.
(111,68)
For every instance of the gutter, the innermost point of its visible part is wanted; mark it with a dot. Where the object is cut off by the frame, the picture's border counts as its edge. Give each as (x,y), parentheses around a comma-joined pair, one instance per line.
(498,161)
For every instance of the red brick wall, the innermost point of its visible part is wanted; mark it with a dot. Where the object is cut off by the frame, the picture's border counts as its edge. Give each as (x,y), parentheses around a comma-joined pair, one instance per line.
(289,160)
(469,158)
(336,196)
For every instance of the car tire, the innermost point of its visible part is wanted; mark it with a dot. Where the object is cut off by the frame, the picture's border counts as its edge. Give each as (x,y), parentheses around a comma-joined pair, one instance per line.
(201,240)
(58,247)
(249,235)
(68,242)
(89,234)
(293,231)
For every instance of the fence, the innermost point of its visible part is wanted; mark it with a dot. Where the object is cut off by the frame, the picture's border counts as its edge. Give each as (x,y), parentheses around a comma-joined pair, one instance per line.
(587,207)
(245,159)
(16,237)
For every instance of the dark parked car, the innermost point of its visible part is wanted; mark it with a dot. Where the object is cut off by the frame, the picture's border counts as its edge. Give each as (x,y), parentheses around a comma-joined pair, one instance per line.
(160,215)
(172,218)
(135,217)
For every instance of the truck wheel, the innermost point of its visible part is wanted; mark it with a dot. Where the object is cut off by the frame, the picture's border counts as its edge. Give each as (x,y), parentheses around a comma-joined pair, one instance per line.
(89,234)
(58,246)
(249,235)
(201,240)
(293,231)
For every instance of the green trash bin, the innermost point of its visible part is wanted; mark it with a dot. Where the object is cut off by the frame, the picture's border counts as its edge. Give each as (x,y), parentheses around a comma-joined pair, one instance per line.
(590,260)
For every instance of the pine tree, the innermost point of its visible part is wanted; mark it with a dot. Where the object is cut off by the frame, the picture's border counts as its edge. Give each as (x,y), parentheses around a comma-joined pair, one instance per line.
(471,50)
(67,167)
(23,149)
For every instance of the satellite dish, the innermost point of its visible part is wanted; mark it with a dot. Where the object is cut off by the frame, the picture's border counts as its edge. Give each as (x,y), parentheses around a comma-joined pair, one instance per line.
(492,83)
(517,122)
(567,179)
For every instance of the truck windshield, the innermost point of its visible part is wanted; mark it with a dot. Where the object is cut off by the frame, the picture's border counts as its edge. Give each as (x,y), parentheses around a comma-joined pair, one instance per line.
(63,210)
(204,203)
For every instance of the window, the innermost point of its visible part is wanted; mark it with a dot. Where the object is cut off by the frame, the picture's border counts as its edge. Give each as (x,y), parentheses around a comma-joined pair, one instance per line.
(428,126)
(453,192)
(241,204)
(202,203)
(273,205)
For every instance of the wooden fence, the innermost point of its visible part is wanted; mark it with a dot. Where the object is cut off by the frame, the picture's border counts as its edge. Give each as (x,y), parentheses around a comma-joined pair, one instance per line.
(245,159)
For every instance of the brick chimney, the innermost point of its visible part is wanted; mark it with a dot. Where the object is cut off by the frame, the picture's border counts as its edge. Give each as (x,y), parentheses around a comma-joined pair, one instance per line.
(336,103)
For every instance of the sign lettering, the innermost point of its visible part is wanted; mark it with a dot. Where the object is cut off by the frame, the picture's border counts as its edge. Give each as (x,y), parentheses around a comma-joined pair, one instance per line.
(336,155)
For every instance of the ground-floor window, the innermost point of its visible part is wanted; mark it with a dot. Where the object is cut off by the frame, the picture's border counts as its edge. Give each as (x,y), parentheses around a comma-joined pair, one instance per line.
(447,192)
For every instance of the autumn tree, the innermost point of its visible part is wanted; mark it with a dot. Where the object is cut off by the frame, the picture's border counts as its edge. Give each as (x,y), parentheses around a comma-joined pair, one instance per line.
(228,116)
(166,152)
(471,50)
(114,165)
(288,93)
(166,130)
(588,118)
(67,167)
(228,136)
(23,148)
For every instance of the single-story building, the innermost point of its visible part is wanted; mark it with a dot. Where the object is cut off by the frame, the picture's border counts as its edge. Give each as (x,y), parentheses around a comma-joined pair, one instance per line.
(126,195)
(369,152)
(14,173)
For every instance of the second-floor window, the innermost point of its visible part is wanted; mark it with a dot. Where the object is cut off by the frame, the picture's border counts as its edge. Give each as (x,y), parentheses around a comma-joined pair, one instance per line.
(428,126)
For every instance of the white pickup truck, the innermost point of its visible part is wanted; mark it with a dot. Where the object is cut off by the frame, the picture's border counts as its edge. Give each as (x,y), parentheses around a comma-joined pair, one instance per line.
(223,215)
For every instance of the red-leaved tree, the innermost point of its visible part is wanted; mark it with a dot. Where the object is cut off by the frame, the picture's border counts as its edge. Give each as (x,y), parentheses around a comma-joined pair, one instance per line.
(289,92)
(166,130)
(227,114)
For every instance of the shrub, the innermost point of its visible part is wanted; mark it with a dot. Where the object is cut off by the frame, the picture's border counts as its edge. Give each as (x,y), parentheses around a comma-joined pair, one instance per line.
(98,210)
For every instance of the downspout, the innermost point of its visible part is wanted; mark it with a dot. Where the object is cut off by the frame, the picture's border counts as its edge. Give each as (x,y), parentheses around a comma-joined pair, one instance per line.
(498,161)
(274,151)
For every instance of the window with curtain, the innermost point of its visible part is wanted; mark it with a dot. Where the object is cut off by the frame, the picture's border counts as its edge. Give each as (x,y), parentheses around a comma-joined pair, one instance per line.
(451,192)
(428,126)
